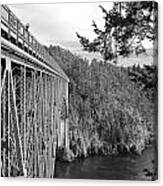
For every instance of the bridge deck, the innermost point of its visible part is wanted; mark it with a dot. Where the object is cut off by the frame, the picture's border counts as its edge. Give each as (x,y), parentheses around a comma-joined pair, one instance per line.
(15,32)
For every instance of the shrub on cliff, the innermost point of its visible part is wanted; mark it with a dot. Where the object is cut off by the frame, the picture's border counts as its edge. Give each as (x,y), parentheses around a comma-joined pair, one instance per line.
(108,112)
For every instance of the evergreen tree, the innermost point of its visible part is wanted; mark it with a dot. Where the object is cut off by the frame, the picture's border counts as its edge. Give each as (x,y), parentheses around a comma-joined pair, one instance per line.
(126,26)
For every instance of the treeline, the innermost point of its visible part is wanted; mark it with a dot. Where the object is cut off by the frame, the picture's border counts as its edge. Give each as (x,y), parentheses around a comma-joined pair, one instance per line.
(146,78)
(111,109)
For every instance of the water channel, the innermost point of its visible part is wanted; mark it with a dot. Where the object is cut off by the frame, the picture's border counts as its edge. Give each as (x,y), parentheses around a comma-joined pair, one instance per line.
(121,167)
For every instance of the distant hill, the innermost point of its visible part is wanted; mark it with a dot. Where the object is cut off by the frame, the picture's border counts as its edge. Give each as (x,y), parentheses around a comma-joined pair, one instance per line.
(75,48)
(147,58)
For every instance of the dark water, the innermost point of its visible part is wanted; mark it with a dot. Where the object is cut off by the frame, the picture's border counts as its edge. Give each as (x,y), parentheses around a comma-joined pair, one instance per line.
(122,167)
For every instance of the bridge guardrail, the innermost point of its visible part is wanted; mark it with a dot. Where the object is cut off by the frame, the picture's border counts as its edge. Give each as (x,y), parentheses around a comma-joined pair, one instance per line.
(14,31)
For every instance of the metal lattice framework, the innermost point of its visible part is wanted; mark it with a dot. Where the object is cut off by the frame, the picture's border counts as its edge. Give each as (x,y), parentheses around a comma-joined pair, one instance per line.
(32,88)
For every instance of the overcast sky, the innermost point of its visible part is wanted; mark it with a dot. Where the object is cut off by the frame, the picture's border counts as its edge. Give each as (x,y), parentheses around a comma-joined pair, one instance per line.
(55,23)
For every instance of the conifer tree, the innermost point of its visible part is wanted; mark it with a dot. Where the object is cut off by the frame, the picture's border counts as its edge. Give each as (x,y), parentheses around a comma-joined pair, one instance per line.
(126,26)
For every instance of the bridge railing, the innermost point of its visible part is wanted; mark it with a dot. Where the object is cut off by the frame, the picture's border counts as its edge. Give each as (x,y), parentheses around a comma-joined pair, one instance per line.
(14,31)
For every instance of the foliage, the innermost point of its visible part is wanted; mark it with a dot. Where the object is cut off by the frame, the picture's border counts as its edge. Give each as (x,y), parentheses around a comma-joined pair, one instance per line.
(146,78)
(108,113)
(126,26)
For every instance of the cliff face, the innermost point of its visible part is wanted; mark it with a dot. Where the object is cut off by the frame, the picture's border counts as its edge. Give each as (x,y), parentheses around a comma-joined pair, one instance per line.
(108,113)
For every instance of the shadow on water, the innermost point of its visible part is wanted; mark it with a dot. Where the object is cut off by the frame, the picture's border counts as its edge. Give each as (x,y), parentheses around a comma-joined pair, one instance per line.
(122,167)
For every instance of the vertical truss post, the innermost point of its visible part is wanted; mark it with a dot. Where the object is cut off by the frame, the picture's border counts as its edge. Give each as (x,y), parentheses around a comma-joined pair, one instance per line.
(41,112)
(3,124)
(24,121)
(48,123)
(40,150)
(4,137)
(58,106)
(35,123)
(61,121)
(58,126)
(32,121)
(51,127)
(3,80)
(29,129)
(21,110)
(48,126)
(51,99)
(8,67)
(54,133)
(45,121)
(42,118)
(43,126)
(66,126)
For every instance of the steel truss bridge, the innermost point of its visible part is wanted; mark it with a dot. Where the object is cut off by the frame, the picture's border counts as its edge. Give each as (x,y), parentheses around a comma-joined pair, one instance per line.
(32,89)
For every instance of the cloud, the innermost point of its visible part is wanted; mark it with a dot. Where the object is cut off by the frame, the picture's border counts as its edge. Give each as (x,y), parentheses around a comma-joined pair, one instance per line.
(54,22)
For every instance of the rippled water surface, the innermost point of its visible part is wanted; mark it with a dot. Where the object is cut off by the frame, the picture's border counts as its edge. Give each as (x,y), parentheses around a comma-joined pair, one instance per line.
(121,167)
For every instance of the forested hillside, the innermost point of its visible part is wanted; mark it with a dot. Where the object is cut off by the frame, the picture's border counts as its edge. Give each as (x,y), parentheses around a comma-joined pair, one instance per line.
(111,109)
